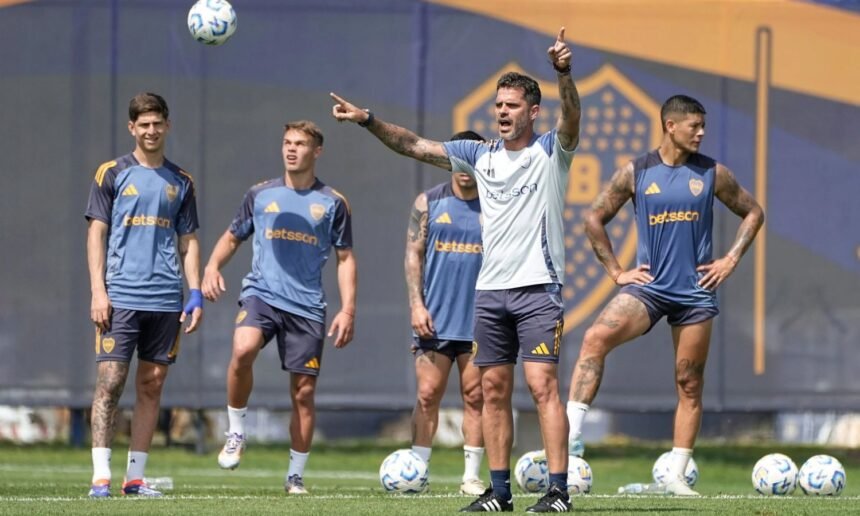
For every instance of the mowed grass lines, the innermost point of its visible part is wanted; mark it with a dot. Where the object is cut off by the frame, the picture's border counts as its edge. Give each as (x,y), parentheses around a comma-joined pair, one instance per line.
(343,481)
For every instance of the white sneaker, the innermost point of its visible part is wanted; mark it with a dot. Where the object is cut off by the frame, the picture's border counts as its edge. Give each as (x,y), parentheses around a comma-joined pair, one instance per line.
(679,487)
(231,453)
(295,485)
(575,448)
(472,487)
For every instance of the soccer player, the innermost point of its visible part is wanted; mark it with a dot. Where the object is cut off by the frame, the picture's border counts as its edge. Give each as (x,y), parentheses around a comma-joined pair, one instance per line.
(673,189)
(521,181)
(295,220)
(443,257)
(142,217)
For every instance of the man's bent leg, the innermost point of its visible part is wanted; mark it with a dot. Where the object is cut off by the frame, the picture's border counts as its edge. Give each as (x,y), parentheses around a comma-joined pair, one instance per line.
(431,374)
(247,342)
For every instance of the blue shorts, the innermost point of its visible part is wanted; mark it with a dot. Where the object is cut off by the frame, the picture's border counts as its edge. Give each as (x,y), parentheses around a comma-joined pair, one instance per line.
(676,314)
(450,348)
(155,335)
(300,340)
(525,320)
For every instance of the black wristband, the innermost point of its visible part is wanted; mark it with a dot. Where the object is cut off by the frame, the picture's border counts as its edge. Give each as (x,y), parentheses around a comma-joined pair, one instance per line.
(561,71)
(369,120)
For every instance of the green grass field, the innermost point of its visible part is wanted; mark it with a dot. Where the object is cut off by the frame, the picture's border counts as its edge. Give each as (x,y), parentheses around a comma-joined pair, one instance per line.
(343,481)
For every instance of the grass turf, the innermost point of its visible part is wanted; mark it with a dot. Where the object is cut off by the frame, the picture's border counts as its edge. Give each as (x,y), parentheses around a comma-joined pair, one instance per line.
(342,479)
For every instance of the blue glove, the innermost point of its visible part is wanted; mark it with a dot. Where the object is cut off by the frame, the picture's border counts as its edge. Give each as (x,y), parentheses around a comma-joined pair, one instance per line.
(195,300)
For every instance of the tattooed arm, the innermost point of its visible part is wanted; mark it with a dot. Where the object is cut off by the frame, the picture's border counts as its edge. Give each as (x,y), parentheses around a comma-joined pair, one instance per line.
(568,121)
(416,245)
(741,203)
(396,138)
(617,192)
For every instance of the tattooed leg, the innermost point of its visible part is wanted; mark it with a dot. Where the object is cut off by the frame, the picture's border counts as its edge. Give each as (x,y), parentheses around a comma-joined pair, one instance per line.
(691,352)
(109,385)
(624,318)
(431,372)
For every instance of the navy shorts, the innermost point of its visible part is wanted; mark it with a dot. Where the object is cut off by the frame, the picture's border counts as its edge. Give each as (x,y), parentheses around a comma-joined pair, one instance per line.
(676,314)
(300,340)
(526,320)
(450,348)
(155,335)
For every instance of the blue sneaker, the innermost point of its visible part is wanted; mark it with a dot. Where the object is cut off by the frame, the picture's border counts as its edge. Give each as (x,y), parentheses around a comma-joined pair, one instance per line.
(137,487)
(100,489)
(575,448)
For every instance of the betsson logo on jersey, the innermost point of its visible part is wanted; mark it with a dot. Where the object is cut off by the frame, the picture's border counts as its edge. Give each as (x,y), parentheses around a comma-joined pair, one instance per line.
(458,247)
(146,220)
(502,195)
(673,216)
(296,236)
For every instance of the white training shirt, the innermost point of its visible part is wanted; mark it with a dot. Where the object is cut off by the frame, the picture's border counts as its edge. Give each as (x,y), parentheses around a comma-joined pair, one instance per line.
(522,200)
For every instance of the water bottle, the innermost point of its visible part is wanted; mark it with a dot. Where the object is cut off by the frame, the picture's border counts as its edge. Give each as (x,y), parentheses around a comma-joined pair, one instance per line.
(159,483)
(639,488)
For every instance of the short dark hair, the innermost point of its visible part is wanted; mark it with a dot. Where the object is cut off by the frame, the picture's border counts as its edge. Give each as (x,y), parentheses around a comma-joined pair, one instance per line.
(680,104)
(147,103)
(530,86)
(309,128)
(466,135)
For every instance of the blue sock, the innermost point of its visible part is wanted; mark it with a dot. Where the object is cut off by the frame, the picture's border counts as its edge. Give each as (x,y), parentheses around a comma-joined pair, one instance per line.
(559,479)
(501,480)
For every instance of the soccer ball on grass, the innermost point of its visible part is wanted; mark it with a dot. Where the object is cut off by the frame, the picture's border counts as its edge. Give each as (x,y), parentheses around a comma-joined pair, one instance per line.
(774,474)
(404,472)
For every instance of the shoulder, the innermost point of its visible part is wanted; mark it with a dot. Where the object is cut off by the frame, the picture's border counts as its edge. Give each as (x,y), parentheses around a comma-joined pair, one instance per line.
(266,184)
(646,161)
(113,167)
(703,162)
(336,197)
(438,192)
(178,171)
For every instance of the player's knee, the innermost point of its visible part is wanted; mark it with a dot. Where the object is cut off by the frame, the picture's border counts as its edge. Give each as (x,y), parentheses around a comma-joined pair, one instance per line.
(690,384)
(473,400)
(543,390)
(151,385)
(594,344)
(429,395)
(303,394)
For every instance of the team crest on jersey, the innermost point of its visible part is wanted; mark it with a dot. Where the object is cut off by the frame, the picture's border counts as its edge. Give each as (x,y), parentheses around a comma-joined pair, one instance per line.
(696,186)
(172,191)
(317,211)
(619,122)
(241,316)
(108,343)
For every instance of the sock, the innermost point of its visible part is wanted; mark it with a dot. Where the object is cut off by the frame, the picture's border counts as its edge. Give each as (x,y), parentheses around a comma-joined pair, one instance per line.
(136,465)
(423,452)
(575,415)
(101,464)
(559,480)
(473,456)
(678,461)
(501,479)
(236,419)
(297,463)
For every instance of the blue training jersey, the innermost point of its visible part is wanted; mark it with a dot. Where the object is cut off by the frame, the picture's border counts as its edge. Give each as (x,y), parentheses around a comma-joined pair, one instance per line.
(452,260)
(294,231)
(144,209)
(674,219)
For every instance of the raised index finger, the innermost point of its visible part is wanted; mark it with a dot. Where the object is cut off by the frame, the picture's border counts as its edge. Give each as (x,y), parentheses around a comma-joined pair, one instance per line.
(560,35)
(337,99)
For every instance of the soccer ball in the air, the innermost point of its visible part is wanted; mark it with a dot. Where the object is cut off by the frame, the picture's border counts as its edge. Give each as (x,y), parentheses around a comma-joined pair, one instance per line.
(579,478)
(821,475)
(532,472)
(661,468)
(212,21)
(774,474)
(404,472)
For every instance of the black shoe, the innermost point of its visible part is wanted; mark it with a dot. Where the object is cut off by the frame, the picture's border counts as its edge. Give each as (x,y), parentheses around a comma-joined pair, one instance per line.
(555,500)
(490,502)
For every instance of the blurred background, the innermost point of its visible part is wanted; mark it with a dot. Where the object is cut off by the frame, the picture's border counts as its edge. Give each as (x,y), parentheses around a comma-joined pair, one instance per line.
(779,80)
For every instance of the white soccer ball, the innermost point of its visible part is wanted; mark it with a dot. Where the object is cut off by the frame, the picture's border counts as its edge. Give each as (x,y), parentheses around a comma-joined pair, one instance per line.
(532,472)
(660,471)
(579,479)
(821,475)
(404,472)
(774,474)
(212,21)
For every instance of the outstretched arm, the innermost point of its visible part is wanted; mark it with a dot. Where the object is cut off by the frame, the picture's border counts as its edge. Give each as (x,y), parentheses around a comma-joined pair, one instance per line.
(568,121)
(416,245)
(399,139)
(744,205)
(603,210)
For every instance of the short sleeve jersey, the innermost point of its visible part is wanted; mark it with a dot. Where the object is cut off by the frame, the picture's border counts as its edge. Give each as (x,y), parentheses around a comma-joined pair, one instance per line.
(294,231)
(452,261)
(145,209)
(522,202)
(673,206)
